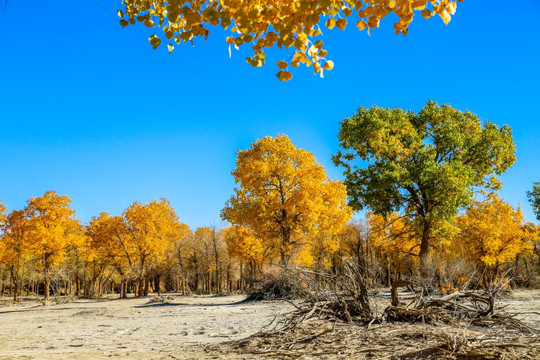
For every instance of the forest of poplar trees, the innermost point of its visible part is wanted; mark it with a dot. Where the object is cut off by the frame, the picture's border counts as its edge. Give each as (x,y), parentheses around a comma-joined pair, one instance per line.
(431,213)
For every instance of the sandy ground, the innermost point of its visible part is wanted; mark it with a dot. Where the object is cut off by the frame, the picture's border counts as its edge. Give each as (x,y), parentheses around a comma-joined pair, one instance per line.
(130,328)
(179,328)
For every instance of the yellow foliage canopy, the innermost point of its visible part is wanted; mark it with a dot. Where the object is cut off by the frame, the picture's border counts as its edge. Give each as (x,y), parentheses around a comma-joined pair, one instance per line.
(393,239)
(284,196)
(245,246)
(50,220)
(492,232)
(15,245)
(108,239)
(289,24)
(152,230)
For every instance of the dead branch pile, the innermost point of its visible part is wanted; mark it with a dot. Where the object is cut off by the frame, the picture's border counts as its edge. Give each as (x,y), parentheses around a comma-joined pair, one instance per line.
(457,306)
(322,340)
(330,323)
(282,286)
(339,296)
(473,306)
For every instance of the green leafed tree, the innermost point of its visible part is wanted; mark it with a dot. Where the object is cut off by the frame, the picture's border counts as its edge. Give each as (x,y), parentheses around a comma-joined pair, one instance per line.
(425,165)
(534,199)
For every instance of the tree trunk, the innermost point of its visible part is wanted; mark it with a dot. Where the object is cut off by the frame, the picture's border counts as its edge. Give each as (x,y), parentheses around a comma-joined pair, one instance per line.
(157,284)
(46,289)
(241,285)
(123,288)
(146,286)
(286,240)
(394,291)
(424,248)
(140,287)
(15,280)
(284,260)
(15,290)
(77,285)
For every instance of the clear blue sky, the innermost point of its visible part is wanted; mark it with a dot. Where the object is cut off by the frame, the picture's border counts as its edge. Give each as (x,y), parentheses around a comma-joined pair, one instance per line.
(88,109)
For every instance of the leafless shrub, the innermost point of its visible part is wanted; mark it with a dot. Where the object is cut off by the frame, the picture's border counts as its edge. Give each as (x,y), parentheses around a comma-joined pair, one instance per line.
(475,306)
(287,285)
(337,296)
(156,300)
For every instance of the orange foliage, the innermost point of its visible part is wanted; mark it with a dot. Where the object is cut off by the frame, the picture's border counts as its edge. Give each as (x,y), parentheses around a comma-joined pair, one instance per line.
(293,25)
(491,232)
(394,239)
(284,197)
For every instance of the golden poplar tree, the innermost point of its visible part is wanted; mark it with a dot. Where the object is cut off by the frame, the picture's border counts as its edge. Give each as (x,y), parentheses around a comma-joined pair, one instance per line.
(296,26)
(15,246)
(284,196)
(491,234)
(250,250)
(49,220)
(111,240)
(244,245)
(394,241)
(150,228)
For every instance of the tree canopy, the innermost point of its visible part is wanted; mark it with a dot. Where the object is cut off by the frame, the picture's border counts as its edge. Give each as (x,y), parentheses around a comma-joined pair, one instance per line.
(491,232)
(534,199)
(292,25)
(50,223)
(425,166)
(284,195)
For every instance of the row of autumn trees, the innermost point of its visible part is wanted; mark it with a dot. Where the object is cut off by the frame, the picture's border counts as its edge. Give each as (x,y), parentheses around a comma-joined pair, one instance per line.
(427,179)
(148,245)
(146,248)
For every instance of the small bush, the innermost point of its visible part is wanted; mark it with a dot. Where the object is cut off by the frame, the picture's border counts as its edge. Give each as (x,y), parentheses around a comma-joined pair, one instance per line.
(283,285)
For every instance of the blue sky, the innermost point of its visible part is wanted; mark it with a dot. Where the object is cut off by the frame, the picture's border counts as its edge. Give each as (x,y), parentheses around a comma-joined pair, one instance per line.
(88,109)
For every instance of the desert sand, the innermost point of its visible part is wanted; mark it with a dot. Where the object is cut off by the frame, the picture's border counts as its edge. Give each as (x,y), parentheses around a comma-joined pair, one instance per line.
(129,328)
(178,327)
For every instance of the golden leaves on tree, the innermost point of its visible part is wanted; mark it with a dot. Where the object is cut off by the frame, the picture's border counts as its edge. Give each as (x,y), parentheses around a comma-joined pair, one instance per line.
(291,25)
(492,232)
(284,197)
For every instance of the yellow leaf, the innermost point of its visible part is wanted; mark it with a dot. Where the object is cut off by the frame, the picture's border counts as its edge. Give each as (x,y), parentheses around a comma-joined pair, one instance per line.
(419,4)
(154,41)
(361,25)
(302,37)
(346,11)
(120,13)
(426,14)
(341,24)
(373,22)
(329,65)
(170,47)
(282,64)
(451,8)
(330,23)
(445,16)
(284,76)
(230,40)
